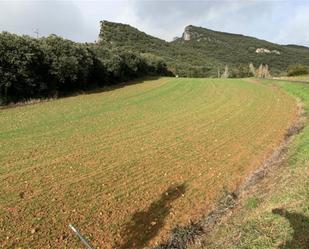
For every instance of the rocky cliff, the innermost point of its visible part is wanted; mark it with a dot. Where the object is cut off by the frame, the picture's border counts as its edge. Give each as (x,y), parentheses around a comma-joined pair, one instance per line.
(201,52)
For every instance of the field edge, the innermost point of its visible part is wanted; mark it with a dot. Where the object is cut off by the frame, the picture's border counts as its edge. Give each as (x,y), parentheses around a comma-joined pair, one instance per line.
(194,235)
(274,212)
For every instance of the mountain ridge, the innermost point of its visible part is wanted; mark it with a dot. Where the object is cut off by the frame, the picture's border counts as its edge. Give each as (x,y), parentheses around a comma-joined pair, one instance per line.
(202,52)
(242,35)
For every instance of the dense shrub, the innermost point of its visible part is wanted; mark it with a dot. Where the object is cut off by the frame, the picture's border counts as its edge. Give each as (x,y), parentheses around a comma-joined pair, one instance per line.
(70,64)
(241,71)
(155,64)
(298,70)
(51,66)
(122,65)
(23,68)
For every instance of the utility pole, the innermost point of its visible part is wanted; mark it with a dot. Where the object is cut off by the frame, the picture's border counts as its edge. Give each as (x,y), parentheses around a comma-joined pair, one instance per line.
(36,31)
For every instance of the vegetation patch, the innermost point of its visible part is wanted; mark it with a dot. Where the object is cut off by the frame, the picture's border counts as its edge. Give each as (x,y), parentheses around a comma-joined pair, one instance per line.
(298,70)
(202,52)
(51,66)
(252,202)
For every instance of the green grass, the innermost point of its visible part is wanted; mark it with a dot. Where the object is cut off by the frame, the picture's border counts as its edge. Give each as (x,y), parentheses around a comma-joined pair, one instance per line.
(281,220)
(108,162)
(252,202)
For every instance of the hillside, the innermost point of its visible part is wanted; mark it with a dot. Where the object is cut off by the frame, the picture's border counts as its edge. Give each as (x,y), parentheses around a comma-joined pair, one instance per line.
(201,52)
(182,60)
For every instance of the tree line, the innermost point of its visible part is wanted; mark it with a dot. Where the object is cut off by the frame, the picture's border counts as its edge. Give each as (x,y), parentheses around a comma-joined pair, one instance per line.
(245,71)
(299,69)
(53,66)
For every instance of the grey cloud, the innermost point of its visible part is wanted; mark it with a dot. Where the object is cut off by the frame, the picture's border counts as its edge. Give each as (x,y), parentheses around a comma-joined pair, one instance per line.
(277,21)
(170,17)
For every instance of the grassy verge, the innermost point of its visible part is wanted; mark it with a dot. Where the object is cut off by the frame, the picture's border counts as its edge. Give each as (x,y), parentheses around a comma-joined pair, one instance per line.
(276,213)
(295,78)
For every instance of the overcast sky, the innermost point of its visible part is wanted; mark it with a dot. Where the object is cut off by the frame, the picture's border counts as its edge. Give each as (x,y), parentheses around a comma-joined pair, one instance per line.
(282,22)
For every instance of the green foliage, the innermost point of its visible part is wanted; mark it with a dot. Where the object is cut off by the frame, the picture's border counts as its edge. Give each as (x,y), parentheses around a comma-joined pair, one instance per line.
(155,64)
(22,67)
(51,66)
(296,70)
(241,71)
(123,65)
(181,61)
(69,63)
(206,52)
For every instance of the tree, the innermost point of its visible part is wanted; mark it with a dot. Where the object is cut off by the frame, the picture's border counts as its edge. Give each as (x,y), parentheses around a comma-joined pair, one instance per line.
(226,73)
(298,70)
(266,72)
(263,71)
(22,67)
(252,70)
(48,66)
(70,63)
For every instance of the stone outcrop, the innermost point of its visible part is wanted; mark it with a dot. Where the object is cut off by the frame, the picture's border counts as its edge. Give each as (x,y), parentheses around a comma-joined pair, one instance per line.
(187,34)
(266,51)
(191,34)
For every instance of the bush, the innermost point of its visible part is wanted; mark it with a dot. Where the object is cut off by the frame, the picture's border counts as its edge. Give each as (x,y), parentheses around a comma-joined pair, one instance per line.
(241,71)
(52,66)
(70,64)
(298,70)
(23,68)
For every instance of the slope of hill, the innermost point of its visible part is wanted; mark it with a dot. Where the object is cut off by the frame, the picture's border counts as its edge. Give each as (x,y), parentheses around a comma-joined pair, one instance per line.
(201,52)
(182,60)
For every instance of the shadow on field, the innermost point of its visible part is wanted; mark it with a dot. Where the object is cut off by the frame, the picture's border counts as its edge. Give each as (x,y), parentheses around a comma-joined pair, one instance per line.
(145,225)
(93,90)
(112,87)
(300,225)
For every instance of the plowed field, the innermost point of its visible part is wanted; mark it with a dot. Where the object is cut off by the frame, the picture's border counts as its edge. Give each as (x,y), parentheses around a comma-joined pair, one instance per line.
(125,166)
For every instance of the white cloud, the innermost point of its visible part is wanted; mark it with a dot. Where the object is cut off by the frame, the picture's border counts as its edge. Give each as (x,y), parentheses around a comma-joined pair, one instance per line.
(95,11)
(278,21)
(295,30)
(168,18)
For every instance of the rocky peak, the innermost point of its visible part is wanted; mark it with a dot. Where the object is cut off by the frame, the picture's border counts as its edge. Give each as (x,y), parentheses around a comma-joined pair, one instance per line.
(198,34)
(190,33)
(187,34)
